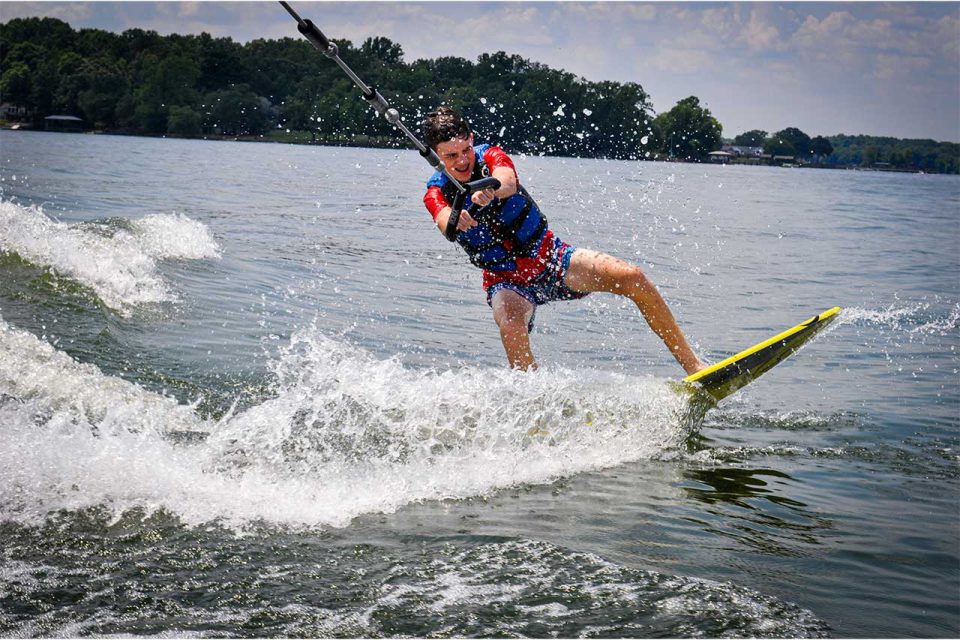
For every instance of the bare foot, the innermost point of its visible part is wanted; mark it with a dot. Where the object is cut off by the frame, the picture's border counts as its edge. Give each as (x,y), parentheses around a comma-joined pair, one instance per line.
(699,366)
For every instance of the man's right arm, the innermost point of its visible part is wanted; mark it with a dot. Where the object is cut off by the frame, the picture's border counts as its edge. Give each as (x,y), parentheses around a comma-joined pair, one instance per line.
(440,209)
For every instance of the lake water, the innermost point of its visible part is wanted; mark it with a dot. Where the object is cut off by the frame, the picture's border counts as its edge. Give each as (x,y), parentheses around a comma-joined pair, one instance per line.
(249,390)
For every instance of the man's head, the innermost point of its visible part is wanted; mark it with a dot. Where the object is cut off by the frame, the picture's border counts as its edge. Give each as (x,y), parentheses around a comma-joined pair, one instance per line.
(444,125)
(446,132)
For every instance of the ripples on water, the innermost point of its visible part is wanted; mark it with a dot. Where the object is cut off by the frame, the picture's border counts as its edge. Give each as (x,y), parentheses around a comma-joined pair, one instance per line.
(233,408)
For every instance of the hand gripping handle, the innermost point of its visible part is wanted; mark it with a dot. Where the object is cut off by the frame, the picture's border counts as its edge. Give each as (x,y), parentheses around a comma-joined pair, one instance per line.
(450,233)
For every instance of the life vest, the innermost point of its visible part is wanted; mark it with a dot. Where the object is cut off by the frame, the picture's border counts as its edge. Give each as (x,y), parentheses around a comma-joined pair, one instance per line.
(506,230)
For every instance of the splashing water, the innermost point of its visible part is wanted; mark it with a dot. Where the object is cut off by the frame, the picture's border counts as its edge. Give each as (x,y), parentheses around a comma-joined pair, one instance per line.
(117,261)
(344,434)
(919,314)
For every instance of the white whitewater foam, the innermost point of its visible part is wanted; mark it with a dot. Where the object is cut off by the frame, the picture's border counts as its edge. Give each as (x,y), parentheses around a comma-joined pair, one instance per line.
(120,267)
(345,435)
(367,435)
(175,236)
(902,316)
(75,438)
(567,585)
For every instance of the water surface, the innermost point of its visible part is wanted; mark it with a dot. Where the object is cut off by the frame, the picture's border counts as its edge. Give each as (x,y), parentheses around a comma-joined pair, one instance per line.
(249,390)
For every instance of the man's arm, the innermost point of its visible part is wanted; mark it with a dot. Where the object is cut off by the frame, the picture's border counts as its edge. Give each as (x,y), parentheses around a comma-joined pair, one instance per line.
(464,223)
(508,182)
(501,168)
(440,209)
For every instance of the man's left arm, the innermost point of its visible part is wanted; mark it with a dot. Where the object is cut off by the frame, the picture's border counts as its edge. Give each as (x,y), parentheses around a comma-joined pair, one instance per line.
(501,168)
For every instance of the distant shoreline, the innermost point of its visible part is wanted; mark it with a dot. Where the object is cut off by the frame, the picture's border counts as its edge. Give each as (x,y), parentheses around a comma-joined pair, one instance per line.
(303,138)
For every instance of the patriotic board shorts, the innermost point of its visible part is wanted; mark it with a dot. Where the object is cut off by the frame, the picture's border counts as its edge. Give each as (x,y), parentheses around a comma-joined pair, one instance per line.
(548,286)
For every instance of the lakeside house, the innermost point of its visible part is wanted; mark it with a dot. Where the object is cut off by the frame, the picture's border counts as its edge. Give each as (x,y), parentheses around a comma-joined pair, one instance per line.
(734,154)
(12,112)
(63,123)
(721,156)
(743,152)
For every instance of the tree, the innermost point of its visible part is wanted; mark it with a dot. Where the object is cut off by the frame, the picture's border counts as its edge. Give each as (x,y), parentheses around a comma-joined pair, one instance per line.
(16,84)
(56,34)
(220,62)
(103,86)
(789,141)
(688,131)
(235,111)
(447,70)
(168,82)
(183,121)
(821,148)
(752,138)
(777,146)
(383,49)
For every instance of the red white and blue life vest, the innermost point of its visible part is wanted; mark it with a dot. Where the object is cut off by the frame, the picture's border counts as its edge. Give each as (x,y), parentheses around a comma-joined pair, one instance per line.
(506,230)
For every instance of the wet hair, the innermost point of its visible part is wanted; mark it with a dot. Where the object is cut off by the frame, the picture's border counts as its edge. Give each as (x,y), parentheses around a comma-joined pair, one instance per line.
(444,125)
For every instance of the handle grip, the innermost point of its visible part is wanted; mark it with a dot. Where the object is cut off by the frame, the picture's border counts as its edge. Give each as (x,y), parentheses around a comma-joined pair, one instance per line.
(316,38)
(450,232)
(482,183)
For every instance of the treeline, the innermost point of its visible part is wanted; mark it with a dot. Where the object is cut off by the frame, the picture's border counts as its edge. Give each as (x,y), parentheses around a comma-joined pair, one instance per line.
(867,151)
(860,151)
(143,83)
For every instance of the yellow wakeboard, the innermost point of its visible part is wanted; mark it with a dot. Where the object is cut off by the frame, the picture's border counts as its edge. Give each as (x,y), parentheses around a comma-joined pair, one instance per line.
(725,377)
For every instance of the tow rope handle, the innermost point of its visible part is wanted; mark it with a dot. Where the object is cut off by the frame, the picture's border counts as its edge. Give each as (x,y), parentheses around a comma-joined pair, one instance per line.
(312,33)
(450,232)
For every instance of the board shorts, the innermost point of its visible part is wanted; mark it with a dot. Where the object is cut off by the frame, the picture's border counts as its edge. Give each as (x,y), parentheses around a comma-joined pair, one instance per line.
(548,286)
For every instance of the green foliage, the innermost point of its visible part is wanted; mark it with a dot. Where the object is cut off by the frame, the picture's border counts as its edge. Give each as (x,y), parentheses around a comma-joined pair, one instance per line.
(382,49)
(16,84)
(752,138)
(183,121)
(688,131)
(236,111)
(820,147)
(141,82)
(789,142)
(916,155)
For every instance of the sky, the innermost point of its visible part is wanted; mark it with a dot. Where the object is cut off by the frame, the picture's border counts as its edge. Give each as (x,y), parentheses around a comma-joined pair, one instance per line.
(890,69)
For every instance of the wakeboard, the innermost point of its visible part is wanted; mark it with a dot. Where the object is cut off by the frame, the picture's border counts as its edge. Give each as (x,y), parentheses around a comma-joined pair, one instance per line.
(726,376)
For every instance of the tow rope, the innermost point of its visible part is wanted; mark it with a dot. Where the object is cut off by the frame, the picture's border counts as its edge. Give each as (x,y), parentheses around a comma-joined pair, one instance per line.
(312,33)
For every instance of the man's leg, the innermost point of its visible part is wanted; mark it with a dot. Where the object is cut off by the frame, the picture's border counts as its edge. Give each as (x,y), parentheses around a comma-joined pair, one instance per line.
(512,314)
(594,271)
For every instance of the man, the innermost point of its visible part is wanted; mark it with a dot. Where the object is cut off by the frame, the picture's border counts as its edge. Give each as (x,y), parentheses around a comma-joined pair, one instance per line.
(524,263)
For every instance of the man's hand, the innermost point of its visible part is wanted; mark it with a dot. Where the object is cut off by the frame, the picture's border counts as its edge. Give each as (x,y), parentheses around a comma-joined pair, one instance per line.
(482,198)
(465,222)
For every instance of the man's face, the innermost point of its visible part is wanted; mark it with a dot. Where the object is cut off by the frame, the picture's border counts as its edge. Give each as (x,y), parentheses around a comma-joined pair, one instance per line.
(458,157)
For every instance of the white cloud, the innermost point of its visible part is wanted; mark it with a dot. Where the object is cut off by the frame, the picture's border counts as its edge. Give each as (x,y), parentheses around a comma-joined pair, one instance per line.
(900,68)
(760,35)
(71,12)
(679,60)
(187,9)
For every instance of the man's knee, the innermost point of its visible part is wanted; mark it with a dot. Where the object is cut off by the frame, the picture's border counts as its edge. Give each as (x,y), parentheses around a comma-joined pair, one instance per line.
(636,281)
(511,321)
(511,312)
